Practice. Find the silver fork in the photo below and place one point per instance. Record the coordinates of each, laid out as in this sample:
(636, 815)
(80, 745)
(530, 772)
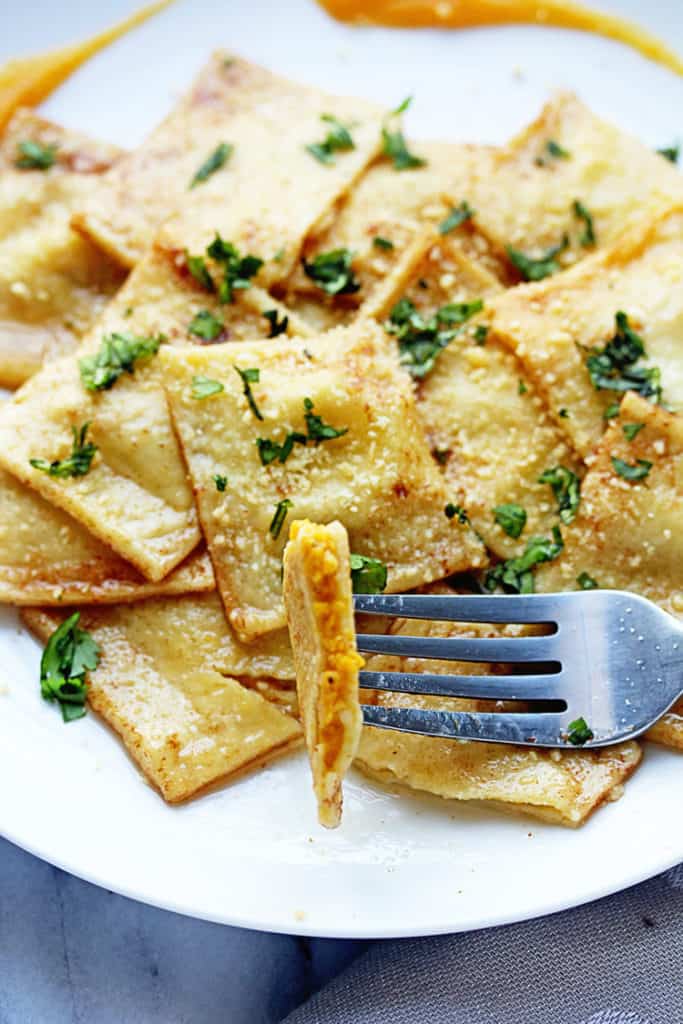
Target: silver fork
(612, 666)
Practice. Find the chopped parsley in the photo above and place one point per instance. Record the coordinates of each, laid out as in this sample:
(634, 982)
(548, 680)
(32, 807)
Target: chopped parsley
(579, 733)
(515, 575)
(117, 354)
(221, 482)
(368, 575)
(317, 431)
(671, 153)
(554, 150)
(77, 464)
(456, 512)
(332, 271)
(206, 326)
(587, 582)
(34, 156)
(237, 270)
(249, 377)
(204, 387)
(535, 269)
(457, 216)
(611, 411)
(69, 654)
(480, 333)
(338, 138)
(521, 387)
(382, 243)
(277, 325)
(213, 163)
(632, 472)
(632, 430)
(394, 145)
(198, 269)
(581, 212)
(613, 368)
(564, 414)
(420, 341)
(566, 487)
(512, 518)
(278, 520)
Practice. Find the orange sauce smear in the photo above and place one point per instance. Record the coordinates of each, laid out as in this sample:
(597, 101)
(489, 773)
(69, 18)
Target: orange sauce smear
(26, 81)
(474, 13)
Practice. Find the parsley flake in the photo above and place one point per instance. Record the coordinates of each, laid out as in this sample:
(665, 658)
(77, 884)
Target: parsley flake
(632, 430)
(456, 512)
(611, 411)
(581, 212)
(515, 575)
(394, 145)
(249, 377)
(206, 326)
(480, 334)
(35, 156)
(536, 268)
(557, 151)
(671, 153)
(118, 354)
(521, 387)
(77, 464)
(512, 518)
(332, 271)
(587, 582)
(420, 341)
(632, 473)
(213, 163)
(237, 270)
(204, 387)
(566, 487)
(337, 139)
(317, 431)
(198, 269)
(221, 482)
(564, 414)
(69, 654)
(579, 732)
(368, 575)
(457, 216)
(278, 520)
(277, 325)
(382, 243)
(613, 368)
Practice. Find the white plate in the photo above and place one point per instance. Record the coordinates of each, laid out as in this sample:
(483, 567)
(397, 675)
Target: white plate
(252, 854)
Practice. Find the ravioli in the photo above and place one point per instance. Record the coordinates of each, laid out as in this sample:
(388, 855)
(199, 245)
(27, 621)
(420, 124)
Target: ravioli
(380, 221)
(628, 534)
(319, 605)
(552, 325)
(135, 498)
(53, 282)
(185, 725)
(48, 558)
(526, 199)
(555, 786)
(483, 418)
(376, 476)
(271, 191)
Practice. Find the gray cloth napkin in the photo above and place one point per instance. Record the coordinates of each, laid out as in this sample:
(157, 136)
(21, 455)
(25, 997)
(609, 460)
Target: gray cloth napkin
(615, 961)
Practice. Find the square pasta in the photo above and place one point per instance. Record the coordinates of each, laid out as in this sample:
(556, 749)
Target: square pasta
(528, 198)
(48, 558)
(555, 786)
(555, 326)
(135, 497)
(268, 190)
(485, 423)
(53, 282)
(379, 221)
(331, 430)
(185, 725)
(319, 604)
(628, 534)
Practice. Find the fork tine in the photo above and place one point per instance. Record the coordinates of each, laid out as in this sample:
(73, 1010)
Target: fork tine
(464, 607)
(540, 687)
(526, 729)
(461, 648)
